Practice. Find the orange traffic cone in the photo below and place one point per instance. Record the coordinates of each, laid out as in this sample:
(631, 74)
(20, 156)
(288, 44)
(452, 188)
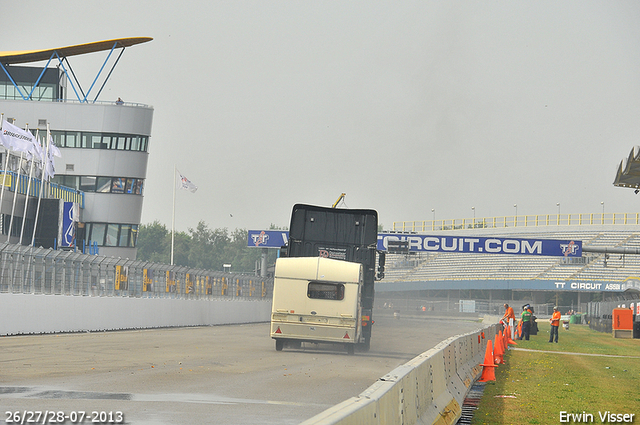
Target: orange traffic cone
(488, 374)
(503, 340)
(498, 351)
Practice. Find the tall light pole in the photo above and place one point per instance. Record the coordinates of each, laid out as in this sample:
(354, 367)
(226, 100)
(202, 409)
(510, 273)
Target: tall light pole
(433, 210)
(558, 205)
(474, 213)
(602, 203)
(516, 207)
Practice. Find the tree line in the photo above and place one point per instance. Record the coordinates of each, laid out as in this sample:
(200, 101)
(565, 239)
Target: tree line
(201, 247)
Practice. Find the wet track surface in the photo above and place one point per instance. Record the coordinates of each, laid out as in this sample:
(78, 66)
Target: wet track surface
(221, 374)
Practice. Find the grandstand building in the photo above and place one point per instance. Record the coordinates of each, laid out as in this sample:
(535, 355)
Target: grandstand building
(103, 144)
(609, 268)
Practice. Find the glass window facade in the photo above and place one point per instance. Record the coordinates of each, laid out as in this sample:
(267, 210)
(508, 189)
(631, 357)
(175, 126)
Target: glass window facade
(87, 140)
(112, 234)
(51, 83)
(44, 92)
(98, 184)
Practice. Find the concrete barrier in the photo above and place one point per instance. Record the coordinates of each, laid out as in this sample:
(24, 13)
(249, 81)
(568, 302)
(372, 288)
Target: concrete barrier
(33, 314)
(429, 389)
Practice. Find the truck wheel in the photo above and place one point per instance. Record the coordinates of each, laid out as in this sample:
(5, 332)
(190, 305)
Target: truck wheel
(279, 344)
(350, 349)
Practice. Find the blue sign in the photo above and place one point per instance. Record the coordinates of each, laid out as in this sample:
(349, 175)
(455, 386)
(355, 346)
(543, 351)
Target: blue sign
(267, 238)
(487, 245)
(68, 225)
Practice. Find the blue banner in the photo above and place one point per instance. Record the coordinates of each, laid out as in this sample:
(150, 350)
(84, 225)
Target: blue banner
(267, 238)
(426, 243)
(485, 245)
(68, 225)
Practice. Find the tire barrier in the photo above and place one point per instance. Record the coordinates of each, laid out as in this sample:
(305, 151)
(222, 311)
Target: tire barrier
(429, 389)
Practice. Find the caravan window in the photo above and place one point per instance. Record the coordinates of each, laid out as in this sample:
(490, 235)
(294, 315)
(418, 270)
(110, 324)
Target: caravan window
(325, 291)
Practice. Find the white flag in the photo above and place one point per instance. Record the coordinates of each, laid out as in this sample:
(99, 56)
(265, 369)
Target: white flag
(185, 183)
(37, 149)
(17, 139)
(53, 149)
(49, 167)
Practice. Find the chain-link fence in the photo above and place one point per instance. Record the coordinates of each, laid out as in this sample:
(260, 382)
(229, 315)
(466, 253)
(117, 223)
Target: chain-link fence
(28, 270)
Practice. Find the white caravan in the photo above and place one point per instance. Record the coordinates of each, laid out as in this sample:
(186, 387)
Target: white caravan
(316, 299)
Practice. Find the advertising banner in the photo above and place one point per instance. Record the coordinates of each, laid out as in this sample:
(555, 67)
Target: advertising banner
(70, 214)
(122, 278)
(427, 243)
(487, 245)
(267, 238)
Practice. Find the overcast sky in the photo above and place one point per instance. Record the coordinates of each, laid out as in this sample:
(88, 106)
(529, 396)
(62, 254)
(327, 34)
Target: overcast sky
(406, 106)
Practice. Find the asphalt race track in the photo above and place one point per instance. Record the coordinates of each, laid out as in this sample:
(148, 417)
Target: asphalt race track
(218, 374)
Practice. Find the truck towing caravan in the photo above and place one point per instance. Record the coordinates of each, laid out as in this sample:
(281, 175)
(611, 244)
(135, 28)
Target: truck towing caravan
(323, 284)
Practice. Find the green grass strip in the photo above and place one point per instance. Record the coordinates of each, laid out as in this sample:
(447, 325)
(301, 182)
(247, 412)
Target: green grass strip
(541, 383)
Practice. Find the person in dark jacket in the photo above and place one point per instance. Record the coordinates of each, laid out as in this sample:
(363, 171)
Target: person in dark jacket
(525, 318)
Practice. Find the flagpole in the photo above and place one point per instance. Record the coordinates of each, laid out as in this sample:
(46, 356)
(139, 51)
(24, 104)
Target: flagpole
(6, 165)
(44, 173)
(4, 176)
(15, 192)
(15, 196)
(173, 214)
(26, 197)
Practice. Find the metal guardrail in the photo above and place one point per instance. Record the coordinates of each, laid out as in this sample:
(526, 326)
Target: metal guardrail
(29, 270)
(549, 220)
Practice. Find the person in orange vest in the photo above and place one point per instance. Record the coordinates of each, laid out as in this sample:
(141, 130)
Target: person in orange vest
(509, 318)
(555, 324)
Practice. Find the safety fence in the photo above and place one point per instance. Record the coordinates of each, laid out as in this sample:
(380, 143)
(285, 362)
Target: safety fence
(549, 220)
(599, 315)
(409, 303)
(29, 270)
(429, 389)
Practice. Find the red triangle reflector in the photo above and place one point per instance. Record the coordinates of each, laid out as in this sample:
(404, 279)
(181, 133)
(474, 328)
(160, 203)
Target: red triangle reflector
(278, 331)
(346, 335)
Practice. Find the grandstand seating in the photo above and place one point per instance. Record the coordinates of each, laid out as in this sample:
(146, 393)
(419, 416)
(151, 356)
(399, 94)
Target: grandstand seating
(464, 266)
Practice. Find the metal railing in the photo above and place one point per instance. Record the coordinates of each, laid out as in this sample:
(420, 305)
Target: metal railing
(28, 270)
(550, 220)
(101, 102)
(51, 190)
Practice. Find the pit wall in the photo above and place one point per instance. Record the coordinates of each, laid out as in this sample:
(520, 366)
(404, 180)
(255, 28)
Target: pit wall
(35, 314)
(430, 389)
